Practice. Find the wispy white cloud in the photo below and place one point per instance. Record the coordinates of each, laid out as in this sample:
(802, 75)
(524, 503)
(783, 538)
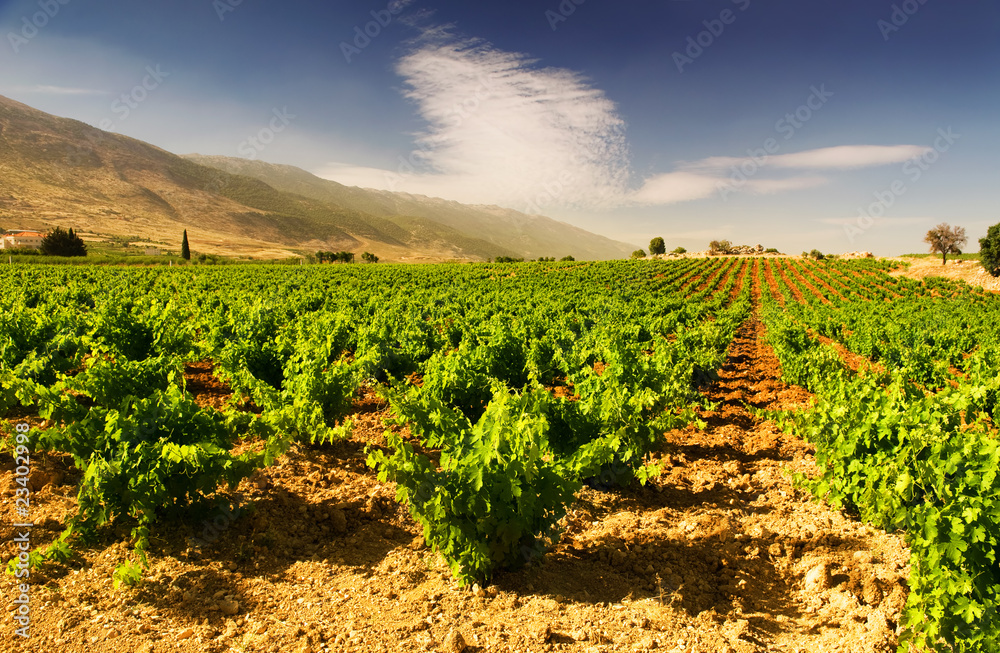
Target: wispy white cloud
(885, 221)
(770, 186)
(673, 187)
(682, 186)
(850, 156)
(352, 175)
(502, 129)
(841, 157)
(58, 90)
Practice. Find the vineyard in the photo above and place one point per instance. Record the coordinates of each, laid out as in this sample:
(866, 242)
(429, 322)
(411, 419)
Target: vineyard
(588, 456)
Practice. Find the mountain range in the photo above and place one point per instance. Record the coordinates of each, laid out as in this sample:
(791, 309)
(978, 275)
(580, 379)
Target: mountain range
(62, 172)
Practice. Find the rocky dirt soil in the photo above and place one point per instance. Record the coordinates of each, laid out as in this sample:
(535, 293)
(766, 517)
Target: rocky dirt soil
(971, 272)
(720, 554)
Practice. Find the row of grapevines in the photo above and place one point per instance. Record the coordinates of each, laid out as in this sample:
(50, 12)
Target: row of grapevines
(927, 335)
(906, 458)
(512, 454)
(101, 353)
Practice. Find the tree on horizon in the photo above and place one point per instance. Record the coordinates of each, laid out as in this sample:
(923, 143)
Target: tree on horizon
(185, 247)
(945, 239)
(989, 251)
(62, 243)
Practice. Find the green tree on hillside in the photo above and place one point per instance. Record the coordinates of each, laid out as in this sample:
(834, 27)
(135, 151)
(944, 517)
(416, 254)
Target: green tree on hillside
(62, 243)
(657, 246)
(989, 251)
(945, 239)
(368, 257)
(717, 247)
(638, 254)
(336, 257)
(185, 247)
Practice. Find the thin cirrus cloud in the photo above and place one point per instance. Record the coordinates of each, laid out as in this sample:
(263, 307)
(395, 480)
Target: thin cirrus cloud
(674, 187)
(703, 178)
(500, 129)
(769, 186)
(843, 157)
(684, 186)
(57, 90)
(884, 221)
(503, 130)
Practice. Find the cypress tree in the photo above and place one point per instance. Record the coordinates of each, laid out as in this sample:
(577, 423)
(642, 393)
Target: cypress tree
(62, 243)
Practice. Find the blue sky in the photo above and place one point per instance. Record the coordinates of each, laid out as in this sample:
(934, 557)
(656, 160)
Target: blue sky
(842, 126)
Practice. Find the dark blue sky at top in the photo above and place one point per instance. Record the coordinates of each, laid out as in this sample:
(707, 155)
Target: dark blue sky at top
(765, 59)
(941, 68)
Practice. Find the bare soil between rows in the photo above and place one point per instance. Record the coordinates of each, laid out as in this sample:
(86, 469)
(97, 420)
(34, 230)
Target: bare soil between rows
(720, 554)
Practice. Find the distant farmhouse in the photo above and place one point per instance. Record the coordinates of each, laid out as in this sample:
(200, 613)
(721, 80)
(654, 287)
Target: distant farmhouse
(21, 238)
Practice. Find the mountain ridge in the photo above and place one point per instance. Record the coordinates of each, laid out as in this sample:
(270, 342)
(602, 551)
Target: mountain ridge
(504, 227)
(62, 172)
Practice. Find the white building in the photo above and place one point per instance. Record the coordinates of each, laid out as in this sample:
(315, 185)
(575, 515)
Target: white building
(11, 239)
